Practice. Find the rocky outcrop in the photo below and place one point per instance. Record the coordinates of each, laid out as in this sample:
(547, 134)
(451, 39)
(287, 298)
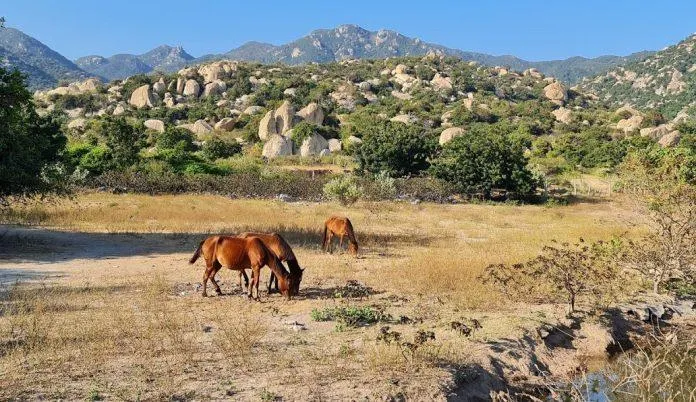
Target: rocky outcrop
(159, 86)
(656, 132)
(313, 145)
(671, 139)
(180, 83)
(199, 127)
(441, 83)
(449, 134)
(89, 85)
(630, 124)
(78, 124)
(142, 97)
(556, 93)
(404, 118)
(214, 88)
(252, 110)
(154, 124)
(312, 113)
(119, 110)
(226, 124)
(276, 146)
(563, 115)
(284, 116)
(192, 88)
(335, 145)
(267, 126)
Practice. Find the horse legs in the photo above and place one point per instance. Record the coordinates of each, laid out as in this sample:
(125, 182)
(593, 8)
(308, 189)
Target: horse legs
(206, 275)
(242, 273)
(255, 274)
(272, 279)
(216, 268)
(340, 243)
(329, 242)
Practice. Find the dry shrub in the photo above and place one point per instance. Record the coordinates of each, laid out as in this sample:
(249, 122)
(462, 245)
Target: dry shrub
(237, 334)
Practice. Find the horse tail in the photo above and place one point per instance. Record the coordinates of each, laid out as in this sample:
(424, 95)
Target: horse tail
(326, 233)
(197, 253)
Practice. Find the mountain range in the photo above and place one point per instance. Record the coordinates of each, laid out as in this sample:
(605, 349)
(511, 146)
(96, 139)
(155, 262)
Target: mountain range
(46, 67)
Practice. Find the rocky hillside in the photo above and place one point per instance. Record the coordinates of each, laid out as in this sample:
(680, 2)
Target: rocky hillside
(163, 58)
(665, 81)
(43, 66)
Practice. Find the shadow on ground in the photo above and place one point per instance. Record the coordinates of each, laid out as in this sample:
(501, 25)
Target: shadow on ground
(18, 243)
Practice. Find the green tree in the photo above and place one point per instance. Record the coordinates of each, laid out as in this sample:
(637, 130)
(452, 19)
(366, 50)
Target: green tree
(122, 140)
(396, 149)
(30, 145)
(484, 159)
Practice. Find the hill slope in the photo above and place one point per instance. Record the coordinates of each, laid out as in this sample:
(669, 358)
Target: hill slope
(666, 81)
(44, 66)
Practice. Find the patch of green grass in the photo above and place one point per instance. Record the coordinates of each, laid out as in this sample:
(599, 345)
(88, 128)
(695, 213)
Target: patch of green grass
(349, 317)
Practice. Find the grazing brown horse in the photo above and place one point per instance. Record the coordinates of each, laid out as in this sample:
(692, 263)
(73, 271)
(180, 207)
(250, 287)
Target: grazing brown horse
(277, 244)
(339, 226)
(239, 254)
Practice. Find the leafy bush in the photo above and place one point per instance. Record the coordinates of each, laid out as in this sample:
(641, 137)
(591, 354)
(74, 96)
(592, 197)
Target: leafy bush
(175, 137)
(343, 189)
(485, 159)
(353, 316)
(380, 187)
(217, 148)
(396, 149)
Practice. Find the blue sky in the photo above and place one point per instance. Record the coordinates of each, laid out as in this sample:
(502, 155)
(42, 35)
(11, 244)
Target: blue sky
(533, 30)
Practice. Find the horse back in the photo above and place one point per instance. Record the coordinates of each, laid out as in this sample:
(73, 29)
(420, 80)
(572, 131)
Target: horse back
(275, 243)
(236, 253)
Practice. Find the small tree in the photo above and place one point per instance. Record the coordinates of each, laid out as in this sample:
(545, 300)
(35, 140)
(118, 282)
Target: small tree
(30, 145)
(483, 159)
(663, 182)
(395, 148)
(343, 189)
(561, 271)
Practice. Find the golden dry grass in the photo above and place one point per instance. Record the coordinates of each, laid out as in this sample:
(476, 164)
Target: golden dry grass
(132, 325)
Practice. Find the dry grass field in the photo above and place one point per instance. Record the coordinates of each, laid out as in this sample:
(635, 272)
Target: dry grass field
(109, 308)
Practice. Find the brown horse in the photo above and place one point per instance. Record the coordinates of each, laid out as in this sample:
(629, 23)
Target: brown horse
(277, 244)
(339, 226)
(239, 254)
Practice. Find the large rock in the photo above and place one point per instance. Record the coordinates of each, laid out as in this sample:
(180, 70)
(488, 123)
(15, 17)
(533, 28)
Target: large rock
(656, 132)
(440, 82)
(556, 92)
(533, 72)
(169, 100)
(276, 146)
(404, 118)
(180, 83)
(226, 124)
(449, 134)
(159, 86)
(353, 140)
(142, 97)
(335, 145)
(252, 110)
(631, 124)
(313, 145)
(78, 124)
(89, 85)
(154, 124)
(284, 117)
(400, 69)
(267, 126)
(213, 71)
(671, 139)
(563, 115)
(199, 127)
(119, 110)
(312, 113)
(214, 88)
(192, 88)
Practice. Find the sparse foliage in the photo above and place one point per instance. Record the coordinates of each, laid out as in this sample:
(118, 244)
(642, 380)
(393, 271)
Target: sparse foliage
(562, 271)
